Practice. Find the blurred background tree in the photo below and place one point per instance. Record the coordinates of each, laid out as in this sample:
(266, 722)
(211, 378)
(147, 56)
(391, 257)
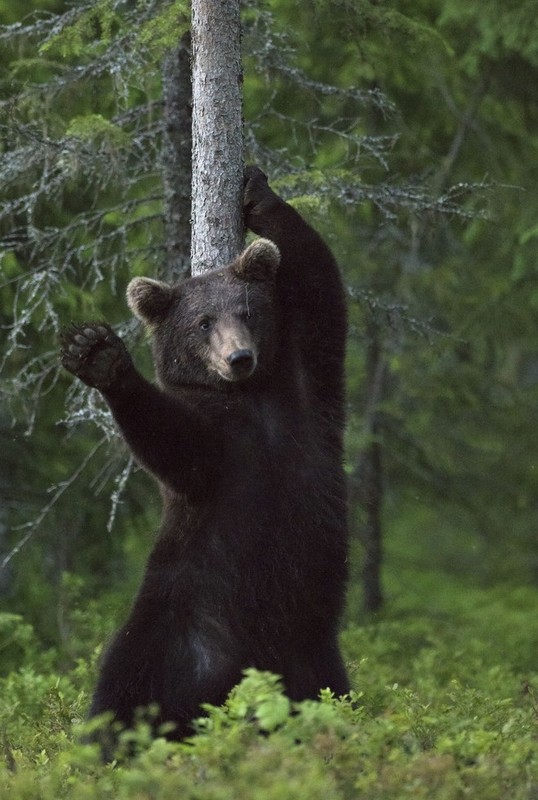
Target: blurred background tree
(407, 133)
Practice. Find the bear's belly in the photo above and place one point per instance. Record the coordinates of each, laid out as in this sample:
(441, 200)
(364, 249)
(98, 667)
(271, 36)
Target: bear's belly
(266, 547)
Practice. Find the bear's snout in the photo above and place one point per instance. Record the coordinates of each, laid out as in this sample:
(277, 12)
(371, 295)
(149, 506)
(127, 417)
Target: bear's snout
(241, 360)
(232, 351)
(242, 363)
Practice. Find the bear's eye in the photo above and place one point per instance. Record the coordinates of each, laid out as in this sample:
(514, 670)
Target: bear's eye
(204, 324)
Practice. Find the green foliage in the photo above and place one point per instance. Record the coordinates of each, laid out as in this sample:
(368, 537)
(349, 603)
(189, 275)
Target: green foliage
(494, 31)
(94, 127)
(98, 22)
(16, 641)
(92, 29)
(445, 705)
(163, 31)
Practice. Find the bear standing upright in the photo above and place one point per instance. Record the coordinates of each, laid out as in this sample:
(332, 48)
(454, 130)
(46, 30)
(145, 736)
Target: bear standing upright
(245, 436)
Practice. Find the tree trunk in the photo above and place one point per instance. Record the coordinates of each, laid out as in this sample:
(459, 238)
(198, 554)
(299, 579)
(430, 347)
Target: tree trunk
(371, 532)
(367, 483)
(217, 155)
(176, 160)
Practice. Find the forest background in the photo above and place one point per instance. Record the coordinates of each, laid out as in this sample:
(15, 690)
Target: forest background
(407, 133)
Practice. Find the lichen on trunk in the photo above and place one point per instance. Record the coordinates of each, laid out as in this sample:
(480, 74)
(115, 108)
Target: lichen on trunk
(217, 167)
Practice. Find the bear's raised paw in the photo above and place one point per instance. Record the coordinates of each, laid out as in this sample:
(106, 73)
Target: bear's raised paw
(258, 197)
(94, 353)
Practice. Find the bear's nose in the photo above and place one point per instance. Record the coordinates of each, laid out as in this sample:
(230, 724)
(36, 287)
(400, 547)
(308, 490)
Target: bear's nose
(241, 359)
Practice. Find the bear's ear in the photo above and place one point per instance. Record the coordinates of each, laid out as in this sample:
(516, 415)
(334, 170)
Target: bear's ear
(149, 300)
(259, 262)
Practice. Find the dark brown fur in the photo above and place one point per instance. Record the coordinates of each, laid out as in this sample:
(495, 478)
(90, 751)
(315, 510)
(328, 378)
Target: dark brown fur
(249, 566)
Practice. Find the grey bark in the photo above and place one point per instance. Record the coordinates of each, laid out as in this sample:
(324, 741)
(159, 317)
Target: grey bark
(176, 160)
(217, 154)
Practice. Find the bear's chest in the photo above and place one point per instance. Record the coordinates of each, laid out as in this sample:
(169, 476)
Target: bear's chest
(273, 426)
(271, 449)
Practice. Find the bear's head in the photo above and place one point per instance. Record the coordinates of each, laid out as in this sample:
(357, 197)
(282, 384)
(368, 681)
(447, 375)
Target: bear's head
(217, 328)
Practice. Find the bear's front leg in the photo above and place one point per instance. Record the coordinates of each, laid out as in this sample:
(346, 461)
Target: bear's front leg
(94, 353)
(163, 432)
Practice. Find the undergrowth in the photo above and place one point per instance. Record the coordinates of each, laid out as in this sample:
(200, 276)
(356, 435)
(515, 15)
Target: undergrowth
(445, 706)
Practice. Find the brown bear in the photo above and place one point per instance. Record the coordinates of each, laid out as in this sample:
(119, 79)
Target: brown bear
(244, 433)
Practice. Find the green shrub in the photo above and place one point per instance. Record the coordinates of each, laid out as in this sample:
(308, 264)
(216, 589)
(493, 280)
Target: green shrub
(445, 705)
